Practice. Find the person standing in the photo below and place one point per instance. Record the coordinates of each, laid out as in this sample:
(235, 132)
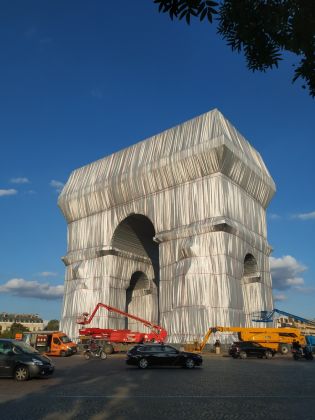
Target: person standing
(217, 346)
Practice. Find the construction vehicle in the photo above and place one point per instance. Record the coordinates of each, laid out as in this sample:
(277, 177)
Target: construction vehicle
(114, 338)
(278, 339)
(52, 343)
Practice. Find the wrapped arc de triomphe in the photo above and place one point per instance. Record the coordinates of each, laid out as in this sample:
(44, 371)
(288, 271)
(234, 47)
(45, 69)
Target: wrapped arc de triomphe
(172, 229)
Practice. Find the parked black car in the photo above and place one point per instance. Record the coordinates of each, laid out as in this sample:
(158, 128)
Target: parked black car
(144, 355)
(244, 349)
(21, 361)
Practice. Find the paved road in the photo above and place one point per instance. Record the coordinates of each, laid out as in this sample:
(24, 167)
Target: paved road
(223, 388)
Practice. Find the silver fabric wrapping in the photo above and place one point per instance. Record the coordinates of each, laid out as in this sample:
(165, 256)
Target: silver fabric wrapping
(205, 190)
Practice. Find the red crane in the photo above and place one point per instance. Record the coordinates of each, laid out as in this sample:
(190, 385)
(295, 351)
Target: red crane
(157, 333)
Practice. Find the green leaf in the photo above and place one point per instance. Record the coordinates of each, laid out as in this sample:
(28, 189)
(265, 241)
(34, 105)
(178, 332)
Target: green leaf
(182, 14)
(209, 15)
(203, 14)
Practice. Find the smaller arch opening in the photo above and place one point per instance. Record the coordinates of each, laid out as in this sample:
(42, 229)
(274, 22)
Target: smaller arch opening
(251, 273)
(139, 286)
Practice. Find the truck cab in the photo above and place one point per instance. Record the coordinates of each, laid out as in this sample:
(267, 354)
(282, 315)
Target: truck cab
(52, 343)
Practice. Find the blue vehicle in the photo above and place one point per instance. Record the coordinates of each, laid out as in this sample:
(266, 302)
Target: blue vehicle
(310, 340)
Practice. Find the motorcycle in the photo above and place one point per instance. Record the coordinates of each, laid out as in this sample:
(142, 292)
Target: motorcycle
(302, 354)
(94, 353)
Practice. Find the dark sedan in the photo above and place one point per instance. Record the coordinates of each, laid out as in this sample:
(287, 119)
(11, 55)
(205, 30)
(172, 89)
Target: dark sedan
(244, 349)
(145, 355)
(21, 361)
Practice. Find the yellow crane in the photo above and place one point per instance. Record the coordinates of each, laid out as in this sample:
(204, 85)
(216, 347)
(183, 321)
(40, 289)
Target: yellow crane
(278, 339)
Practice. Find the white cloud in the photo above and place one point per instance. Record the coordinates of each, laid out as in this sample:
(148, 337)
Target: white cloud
(57, 185)
(280, 297)
(286, 272)
(48, 274)
(295, 281)
(274, 216)
(8, 192)
(305, 290)
(305, 216)
(32, 289)
(21, 180)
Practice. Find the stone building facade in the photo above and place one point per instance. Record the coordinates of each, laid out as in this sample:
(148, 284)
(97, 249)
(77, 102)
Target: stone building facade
(32, 321)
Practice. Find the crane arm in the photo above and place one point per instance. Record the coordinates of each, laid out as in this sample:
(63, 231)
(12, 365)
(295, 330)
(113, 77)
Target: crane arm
(298, 318)
(86, 319)
(268, 316)
(228, 329)
(214, 330)
(205, 339)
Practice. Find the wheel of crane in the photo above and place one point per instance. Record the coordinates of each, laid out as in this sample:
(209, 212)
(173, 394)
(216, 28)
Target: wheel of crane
(284, 349)
(108, 349)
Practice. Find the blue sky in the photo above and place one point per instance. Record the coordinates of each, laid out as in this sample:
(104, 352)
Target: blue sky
(80, 80)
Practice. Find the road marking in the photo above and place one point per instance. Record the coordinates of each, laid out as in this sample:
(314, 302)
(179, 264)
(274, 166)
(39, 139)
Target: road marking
(213, 397)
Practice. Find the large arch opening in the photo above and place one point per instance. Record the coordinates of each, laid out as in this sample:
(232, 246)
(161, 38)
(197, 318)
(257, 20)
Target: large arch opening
(133, 240)
(135, 235)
